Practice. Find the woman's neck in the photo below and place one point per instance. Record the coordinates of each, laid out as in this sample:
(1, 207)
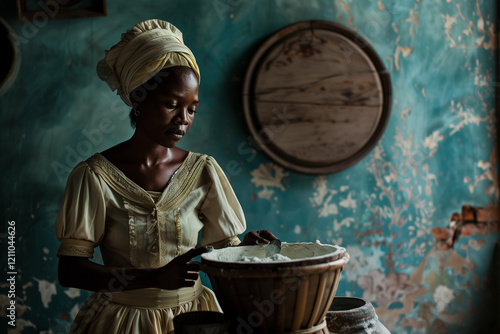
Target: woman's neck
(144, 151)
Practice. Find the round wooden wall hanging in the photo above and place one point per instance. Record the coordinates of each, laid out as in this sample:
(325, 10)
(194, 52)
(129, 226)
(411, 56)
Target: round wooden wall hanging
(9, 67)
(316, 97)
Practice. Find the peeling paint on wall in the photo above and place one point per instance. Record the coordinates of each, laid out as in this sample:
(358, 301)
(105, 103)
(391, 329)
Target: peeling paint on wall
(47, 290)
(268, 176)
(72, 292)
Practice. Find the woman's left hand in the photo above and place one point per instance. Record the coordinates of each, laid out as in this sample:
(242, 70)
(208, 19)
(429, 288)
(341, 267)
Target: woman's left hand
(257, 238)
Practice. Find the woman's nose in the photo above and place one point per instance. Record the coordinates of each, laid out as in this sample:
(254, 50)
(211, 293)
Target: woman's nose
(182, 116)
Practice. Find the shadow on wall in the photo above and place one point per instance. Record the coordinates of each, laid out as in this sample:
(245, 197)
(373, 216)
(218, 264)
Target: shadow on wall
(489, 321)
(495, 293)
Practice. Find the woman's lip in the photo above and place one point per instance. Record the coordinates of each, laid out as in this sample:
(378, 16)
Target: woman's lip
(176, 134)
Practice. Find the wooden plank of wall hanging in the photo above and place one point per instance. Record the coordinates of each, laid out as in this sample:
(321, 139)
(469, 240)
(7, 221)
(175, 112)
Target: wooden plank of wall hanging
(316, 97)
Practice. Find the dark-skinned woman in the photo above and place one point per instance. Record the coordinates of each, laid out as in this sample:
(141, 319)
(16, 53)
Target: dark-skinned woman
(144, 201)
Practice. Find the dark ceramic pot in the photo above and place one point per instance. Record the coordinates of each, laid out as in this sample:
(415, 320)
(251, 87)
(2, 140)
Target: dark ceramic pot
(349, 315)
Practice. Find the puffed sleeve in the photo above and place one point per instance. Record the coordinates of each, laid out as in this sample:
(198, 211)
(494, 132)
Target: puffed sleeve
(223, 217)
(81, 219)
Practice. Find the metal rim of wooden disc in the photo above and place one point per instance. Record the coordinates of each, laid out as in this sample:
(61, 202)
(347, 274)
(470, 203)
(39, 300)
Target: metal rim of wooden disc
(263, 138)
(11, 46)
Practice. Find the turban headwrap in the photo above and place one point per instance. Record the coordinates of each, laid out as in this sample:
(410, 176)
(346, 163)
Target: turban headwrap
(142, 52)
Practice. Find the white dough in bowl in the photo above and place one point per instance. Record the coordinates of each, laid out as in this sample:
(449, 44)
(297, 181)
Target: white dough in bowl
(273, 258)
(289, 252)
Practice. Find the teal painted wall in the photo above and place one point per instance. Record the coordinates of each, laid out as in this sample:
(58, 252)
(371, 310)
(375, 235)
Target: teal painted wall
(436, 154)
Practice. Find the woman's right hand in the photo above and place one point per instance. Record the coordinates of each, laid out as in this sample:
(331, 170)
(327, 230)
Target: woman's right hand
(181, 272)
(257, 237)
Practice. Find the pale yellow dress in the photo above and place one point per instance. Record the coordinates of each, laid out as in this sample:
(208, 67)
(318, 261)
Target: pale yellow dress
(141, 229)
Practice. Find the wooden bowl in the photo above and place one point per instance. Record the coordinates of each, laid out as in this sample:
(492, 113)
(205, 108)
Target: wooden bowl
(279, 297)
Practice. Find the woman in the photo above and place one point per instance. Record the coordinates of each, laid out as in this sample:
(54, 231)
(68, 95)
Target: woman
(144, 201)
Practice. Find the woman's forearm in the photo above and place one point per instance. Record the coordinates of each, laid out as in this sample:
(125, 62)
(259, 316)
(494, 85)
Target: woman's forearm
(79, 272)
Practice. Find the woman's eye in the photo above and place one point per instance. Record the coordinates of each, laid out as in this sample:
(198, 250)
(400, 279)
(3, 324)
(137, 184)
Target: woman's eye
(171, 105)
(192, 111)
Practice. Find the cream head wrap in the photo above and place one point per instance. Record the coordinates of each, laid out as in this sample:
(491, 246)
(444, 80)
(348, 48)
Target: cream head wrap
(142, 52)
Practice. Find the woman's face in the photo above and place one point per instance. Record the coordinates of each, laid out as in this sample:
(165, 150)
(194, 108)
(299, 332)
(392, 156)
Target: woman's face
(166, 114)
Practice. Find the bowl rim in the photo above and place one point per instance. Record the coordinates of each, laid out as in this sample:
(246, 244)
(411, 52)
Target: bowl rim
(339, 254)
